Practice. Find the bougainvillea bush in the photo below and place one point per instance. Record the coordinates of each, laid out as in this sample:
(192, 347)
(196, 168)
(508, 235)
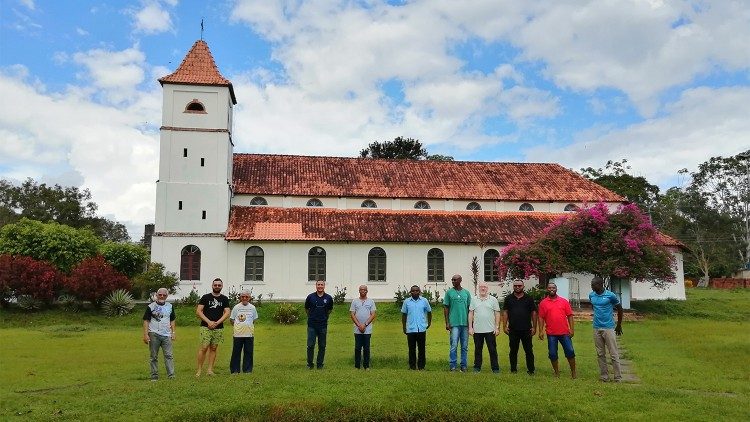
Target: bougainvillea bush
(93, 279)
(23, 275)
(621, 244)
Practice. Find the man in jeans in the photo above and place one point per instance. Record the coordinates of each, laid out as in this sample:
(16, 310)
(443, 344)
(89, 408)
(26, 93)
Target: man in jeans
(158, 332)
(484, 325)
(456, 312)
(519, 323)
(362, 312)
(605, 330)
(555, 312)
(318, 306)
(416, 318)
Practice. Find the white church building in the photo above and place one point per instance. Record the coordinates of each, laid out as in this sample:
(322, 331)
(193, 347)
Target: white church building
(277, 223)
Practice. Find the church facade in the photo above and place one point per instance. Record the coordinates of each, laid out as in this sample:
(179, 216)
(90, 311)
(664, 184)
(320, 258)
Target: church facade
(277, 223)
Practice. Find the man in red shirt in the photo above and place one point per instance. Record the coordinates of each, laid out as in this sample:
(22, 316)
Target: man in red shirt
(556, 314)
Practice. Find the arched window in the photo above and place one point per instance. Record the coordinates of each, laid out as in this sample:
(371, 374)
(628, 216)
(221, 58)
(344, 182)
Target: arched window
(571, 208)
(316, 264)
(195, 106)
(315, 202)
(490, 271)
(421, 205)
(526, 207)
(254, 264)
(376, 264)
(435, 266)
(190, 263)
(369, 203)
(258, 200)
(473, 206)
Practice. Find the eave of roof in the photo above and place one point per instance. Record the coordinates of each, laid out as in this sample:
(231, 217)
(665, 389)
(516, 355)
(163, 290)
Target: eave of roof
(267, 174)
(199, 68)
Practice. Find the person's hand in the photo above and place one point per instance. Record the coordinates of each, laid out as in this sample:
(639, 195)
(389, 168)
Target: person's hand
(212, 325)
(506, 330)
(496, 332)
(571, 333)
(146, 339)
(618, 330)
(448, 326)
(471, 331)
(533, 331)
(173, 336)
(362, 327)
(541, 335)
(404, 330)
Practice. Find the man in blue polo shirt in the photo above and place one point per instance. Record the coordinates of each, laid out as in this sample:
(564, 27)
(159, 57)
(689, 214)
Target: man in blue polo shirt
(605, 330)
(318, 306)
(416, 318)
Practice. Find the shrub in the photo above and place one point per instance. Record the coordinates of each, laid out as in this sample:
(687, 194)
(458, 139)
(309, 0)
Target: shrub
(340, 296)
(93, 279)
(154, 278)
(432, 298)
(58, 244)
(191, 299)
(69, 303)
(23, 275)
(128, 258)
(286, 313)
(400, 295)
(118, 303)
(28, 303)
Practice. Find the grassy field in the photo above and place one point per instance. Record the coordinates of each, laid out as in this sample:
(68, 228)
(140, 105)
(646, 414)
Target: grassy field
(692, 360)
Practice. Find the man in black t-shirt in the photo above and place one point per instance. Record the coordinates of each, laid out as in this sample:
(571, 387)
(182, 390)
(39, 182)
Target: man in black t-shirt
(318, 306)
(519, 323)
(212, 310)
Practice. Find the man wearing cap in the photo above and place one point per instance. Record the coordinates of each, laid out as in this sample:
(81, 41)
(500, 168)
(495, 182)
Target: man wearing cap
(604, 302)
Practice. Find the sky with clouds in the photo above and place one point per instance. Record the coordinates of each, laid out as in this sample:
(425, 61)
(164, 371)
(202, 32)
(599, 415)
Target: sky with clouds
(663, 84)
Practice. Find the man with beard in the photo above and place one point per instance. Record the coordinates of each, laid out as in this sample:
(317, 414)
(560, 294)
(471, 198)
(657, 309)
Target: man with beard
(158, 332)
(519, 323)
(212, 310)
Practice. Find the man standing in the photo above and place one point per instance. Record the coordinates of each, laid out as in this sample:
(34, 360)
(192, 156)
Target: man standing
(243, 318)
(484, 324)
(605, 330)
(456, 312)
(212, 310)
(318, 306)
(158, 331)
(416, 318)
(519, 323)
(556, 314)
(363, 313)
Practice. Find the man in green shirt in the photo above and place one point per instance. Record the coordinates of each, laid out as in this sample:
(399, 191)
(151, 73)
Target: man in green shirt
(456, 312)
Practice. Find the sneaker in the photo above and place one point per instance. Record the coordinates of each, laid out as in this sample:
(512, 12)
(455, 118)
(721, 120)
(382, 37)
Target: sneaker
(453, 369)
(463, 369)
(477, 369)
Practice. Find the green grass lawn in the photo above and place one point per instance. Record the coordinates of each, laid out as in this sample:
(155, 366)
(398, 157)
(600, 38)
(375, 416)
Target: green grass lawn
(692, 360)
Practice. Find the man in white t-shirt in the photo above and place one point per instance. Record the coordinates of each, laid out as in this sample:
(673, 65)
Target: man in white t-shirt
(243, 318)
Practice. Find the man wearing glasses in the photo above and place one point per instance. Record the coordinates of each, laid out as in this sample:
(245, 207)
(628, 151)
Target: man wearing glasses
(456, 312)
(212, 310)
(519, 323)
(158, 332)
(243, 318)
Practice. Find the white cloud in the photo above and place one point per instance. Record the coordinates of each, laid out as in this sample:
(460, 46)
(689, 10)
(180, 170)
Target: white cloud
(29, 4)
(702, 123)
(82, 32)
(116, 73)
(152, 18)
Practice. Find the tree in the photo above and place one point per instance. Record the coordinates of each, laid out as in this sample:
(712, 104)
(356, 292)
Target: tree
(128, 258)
(93, 279)
(60, 245)
(154, 278)
(621, 244)
(724, 182)
(401, 148)
(22, 275)
(615, 177)
(65, 205)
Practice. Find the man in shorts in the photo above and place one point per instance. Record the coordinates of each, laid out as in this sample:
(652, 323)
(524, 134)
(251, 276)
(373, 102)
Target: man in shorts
(212, 310)
(556, 314)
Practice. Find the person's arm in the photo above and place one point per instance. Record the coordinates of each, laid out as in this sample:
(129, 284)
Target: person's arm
(429, 319)
(201, 315)
(307, 305)
(403, 321)
(172, 327)
(445, 314)
(329, 307)
(570, 324)
(224, 316)
(506, 330)
(360, 327)
(618, 327)
(146, 339)
(541, 328)
(497, 322)
(471, 322)
(534, 320)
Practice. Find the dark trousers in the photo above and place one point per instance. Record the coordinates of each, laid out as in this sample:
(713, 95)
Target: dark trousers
(524, 337)
(362, 350)
(416, 341)
(314, 333)
(238, 344)
(479, 339)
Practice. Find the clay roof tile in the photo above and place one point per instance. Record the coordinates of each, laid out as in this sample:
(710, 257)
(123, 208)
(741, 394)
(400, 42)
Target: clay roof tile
(199, 68)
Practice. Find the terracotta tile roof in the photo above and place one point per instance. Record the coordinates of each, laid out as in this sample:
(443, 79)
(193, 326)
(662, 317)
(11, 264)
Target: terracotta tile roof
(259, 174)
(380, 225)
(199, 68)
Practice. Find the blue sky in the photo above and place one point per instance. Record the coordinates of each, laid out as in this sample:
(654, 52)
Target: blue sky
(664, 84)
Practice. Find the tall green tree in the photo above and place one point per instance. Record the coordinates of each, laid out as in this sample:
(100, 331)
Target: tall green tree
(615, 177)
(401, 148)
(129, 259)
(65, 205)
